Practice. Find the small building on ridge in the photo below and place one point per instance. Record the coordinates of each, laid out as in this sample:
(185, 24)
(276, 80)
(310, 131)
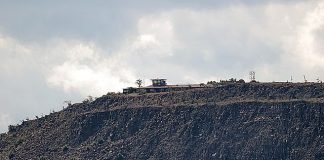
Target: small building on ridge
(160, 85)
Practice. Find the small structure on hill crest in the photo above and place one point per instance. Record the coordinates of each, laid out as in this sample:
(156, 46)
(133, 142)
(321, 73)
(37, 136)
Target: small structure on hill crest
(159, 82)
(160, 85)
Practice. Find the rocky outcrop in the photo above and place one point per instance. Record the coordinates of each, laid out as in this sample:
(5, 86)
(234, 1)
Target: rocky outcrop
(234, 121)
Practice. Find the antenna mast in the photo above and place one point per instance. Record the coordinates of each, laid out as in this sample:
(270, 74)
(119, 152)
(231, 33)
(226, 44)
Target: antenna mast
(252, 76)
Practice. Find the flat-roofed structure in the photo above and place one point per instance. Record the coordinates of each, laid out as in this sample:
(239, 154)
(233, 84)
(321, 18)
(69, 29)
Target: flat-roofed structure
(160, 85)
(158, 82)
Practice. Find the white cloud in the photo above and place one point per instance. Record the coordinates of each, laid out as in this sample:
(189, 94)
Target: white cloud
(88, 72)
(275, 39)
(154, 36)
(14, 55)
(307, 43)
(75, 66)
(182, 44)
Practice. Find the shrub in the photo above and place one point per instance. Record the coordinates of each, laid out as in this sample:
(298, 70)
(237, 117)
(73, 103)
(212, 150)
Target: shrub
(65, 148)
(11, 128)
(120, 157)
(18, 142)
(11, 155)
(100, 141)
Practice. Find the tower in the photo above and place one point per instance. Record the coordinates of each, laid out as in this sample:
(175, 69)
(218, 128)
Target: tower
(252, 76)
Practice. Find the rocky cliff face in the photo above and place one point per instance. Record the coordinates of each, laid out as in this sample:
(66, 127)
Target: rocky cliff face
(234, 121)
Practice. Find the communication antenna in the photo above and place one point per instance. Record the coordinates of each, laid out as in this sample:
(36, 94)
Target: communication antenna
(252, 76)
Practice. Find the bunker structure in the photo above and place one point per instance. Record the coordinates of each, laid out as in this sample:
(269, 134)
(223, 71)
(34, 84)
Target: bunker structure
(160, 85)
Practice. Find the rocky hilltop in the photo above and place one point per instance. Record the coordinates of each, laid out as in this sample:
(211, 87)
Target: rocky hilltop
(230, 121)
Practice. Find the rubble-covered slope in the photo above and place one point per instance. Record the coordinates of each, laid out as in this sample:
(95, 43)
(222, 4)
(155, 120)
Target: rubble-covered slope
(233, 121)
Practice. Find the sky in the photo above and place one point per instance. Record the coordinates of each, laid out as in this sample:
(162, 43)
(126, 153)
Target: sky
(53, 51)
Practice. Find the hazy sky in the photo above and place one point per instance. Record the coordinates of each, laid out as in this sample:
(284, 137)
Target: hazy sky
(52, 51)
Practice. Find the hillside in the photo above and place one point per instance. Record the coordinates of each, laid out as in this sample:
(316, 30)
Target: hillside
(232, 121)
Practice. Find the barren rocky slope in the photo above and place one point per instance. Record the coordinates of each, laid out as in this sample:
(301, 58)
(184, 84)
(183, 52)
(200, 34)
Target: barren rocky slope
(232, 121)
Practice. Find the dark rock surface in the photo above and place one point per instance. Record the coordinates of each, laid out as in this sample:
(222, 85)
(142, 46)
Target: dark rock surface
(233, 121)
